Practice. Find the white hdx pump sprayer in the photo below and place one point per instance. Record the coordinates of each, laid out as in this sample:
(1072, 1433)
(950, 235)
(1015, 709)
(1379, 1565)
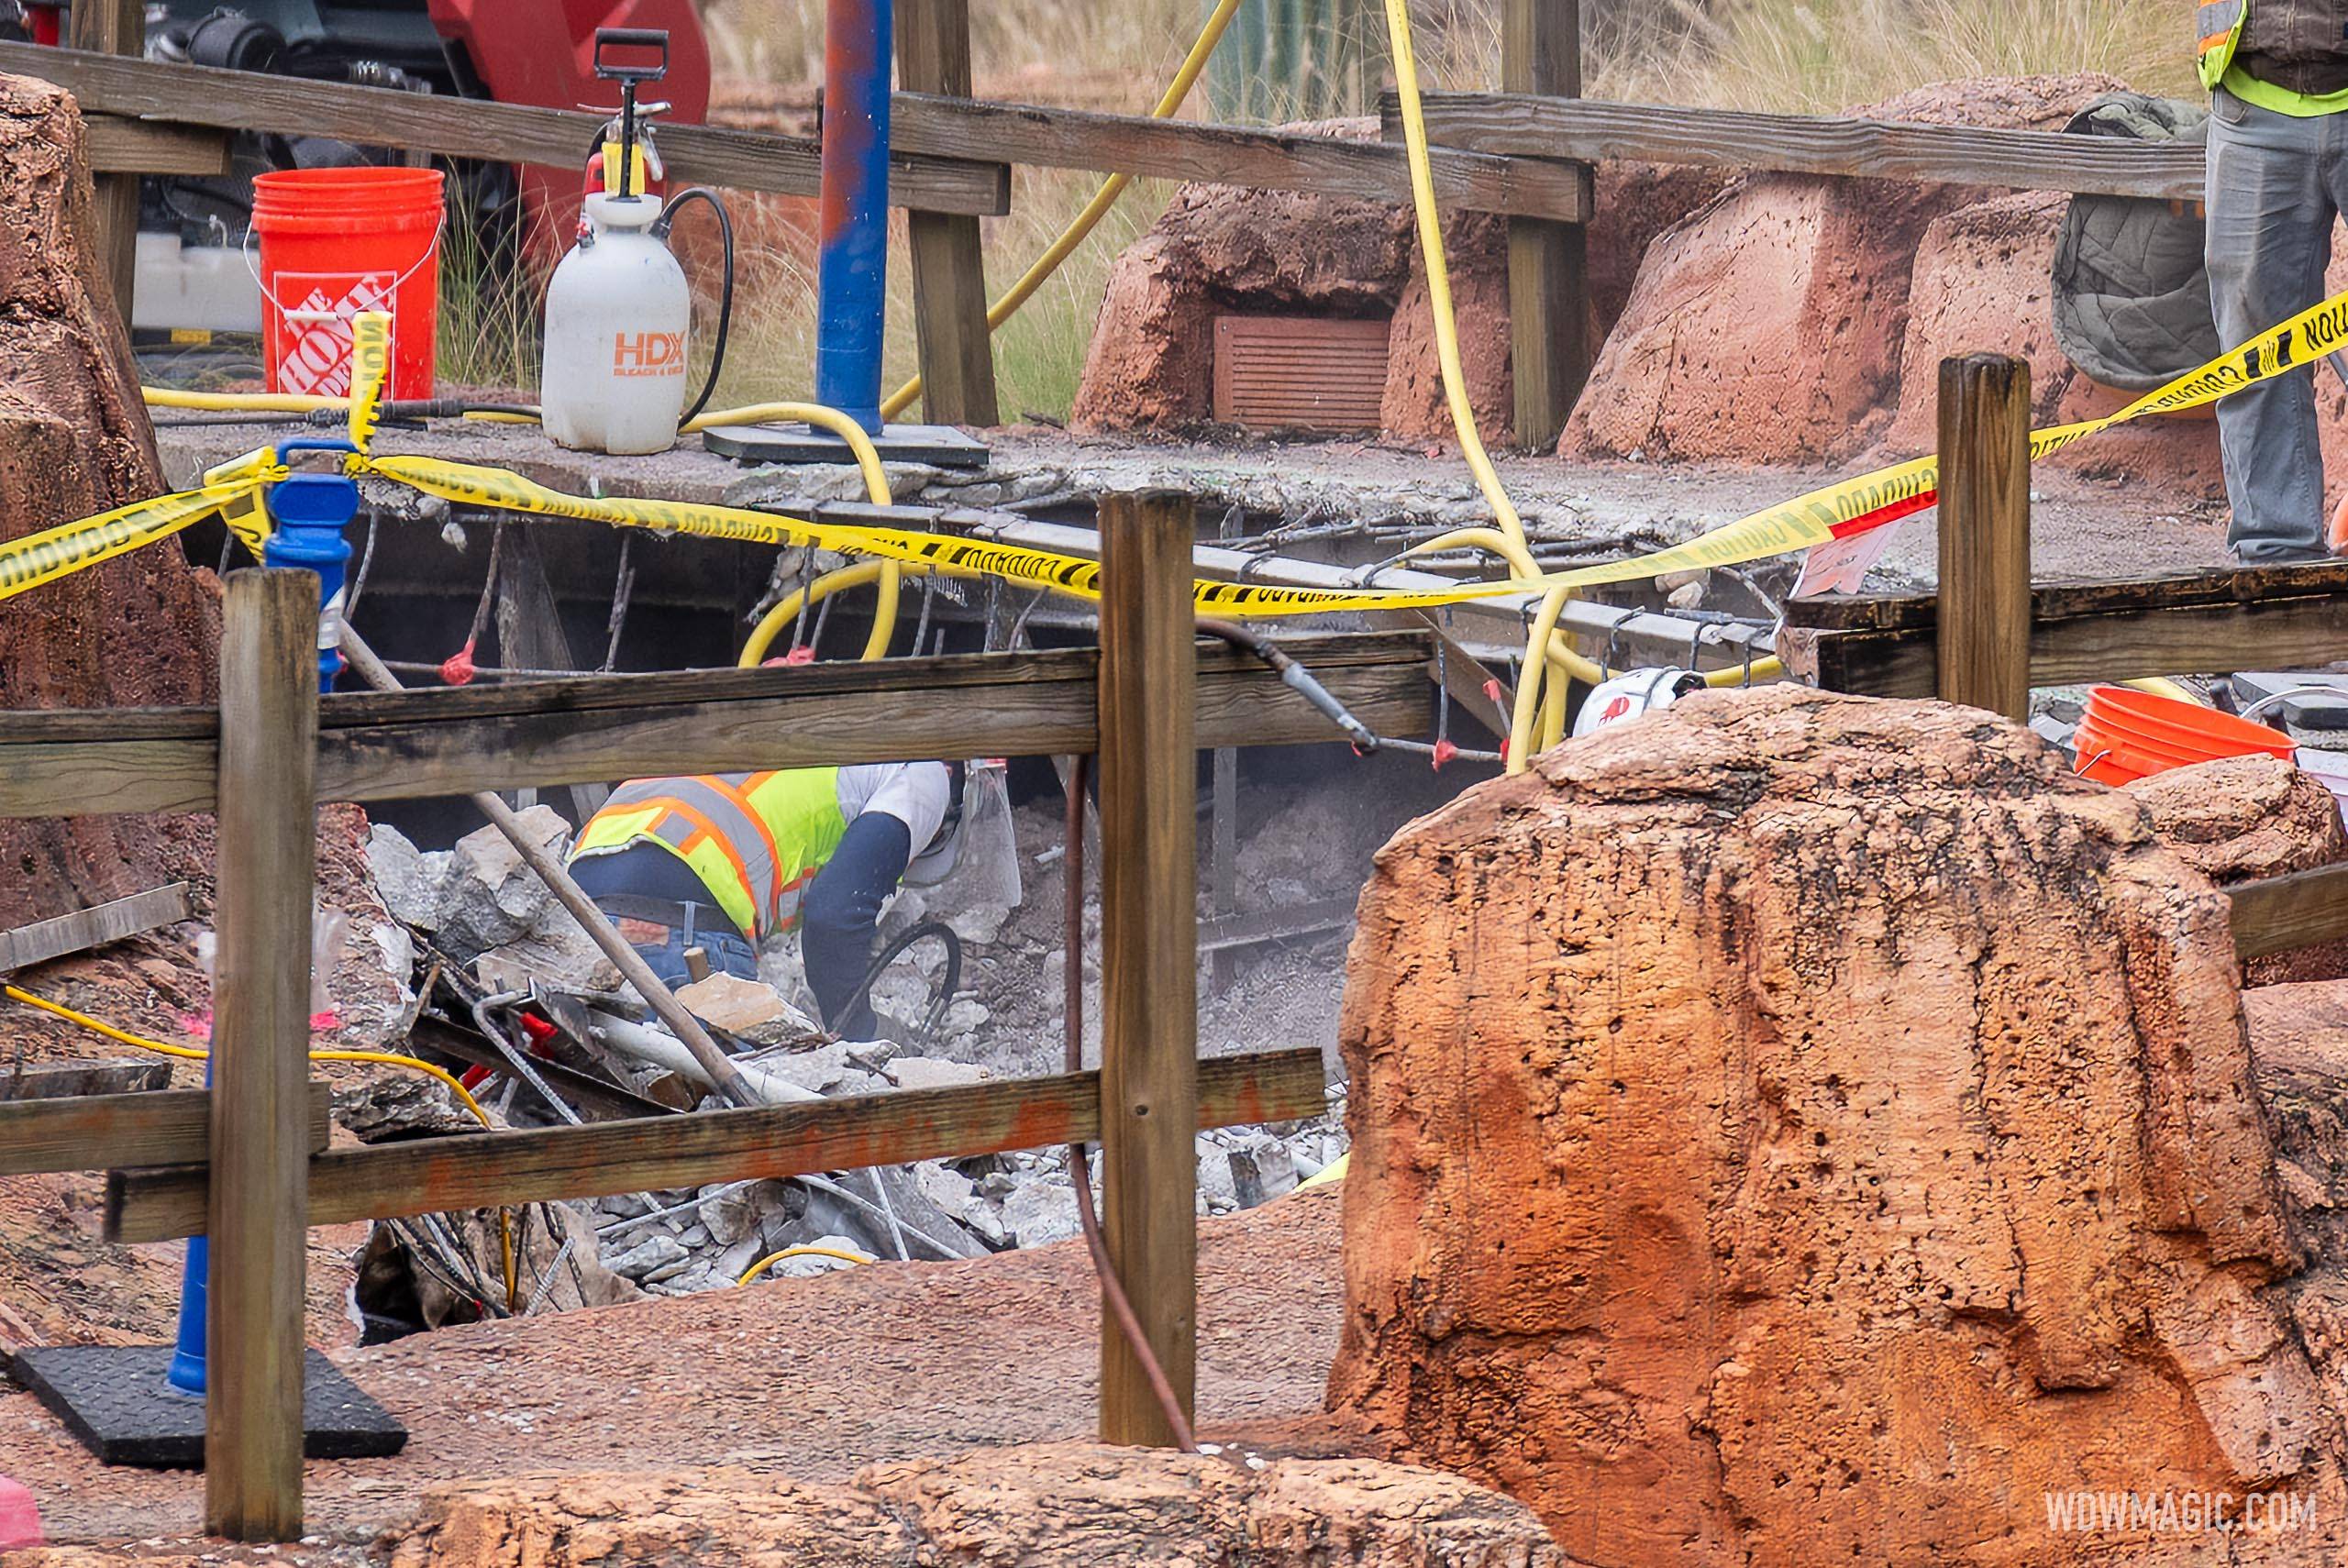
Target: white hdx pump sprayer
(618, 313)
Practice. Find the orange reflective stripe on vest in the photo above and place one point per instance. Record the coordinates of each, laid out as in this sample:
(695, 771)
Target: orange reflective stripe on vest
(754, 840)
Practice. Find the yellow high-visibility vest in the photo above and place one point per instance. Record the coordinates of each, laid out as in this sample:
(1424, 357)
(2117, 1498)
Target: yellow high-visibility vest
(755, 840)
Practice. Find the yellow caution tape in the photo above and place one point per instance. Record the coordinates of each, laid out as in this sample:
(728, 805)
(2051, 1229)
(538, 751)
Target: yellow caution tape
(370, 368)
(58, 552)
(1835, 511)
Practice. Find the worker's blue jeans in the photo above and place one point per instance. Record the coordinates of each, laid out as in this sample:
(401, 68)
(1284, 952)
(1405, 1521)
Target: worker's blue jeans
(2277, 185)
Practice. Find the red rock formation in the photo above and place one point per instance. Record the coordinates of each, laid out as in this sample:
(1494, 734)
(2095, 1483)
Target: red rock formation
(1800, 1129)
(1770, 328)
(1221, 250)
(2247, 817)
(74, 440)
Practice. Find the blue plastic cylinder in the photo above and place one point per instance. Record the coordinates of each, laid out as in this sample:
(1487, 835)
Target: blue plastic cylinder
(309, 513)
(852, 233)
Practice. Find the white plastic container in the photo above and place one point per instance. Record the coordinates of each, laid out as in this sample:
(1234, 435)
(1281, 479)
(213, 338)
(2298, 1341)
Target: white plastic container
(617, 314)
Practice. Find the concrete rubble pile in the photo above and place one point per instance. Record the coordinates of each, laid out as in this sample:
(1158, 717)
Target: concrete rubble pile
(1865, 1153)
(477, 911)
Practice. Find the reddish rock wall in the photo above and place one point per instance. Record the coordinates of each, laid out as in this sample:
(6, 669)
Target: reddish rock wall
(1800, 1128)
(1774, 326)
(1219, 249)
(74, 441)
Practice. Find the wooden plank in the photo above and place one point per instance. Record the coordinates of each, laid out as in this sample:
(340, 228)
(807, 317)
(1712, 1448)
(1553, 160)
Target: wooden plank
(77, 1079)
(1226, 932)
(115, 145)
(596, 729)
(2278, 914)
(114, 1131)
(2212, 586)
(2267, 628)
(953, 343)
(81, 930)
(431, 1174)
(1044, 137)
(1813, 144)
(1148, 956)
(1983, 651)
(268, 846)
(474, 128)
(1548, 262)
(113, 27)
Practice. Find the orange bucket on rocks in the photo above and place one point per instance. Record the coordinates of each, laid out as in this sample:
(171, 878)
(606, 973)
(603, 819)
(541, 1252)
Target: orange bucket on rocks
(335, 242)
(2128, 735)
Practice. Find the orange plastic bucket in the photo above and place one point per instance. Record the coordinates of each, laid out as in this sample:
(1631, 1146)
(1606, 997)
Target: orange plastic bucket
(335, 242)
(2128, 735)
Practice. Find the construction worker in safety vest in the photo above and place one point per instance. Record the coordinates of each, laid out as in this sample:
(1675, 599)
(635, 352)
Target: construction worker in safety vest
(2278, 74)
(728, 862)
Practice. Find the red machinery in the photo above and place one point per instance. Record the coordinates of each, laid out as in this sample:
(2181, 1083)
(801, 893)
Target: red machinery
(514, 52)
(543, 51)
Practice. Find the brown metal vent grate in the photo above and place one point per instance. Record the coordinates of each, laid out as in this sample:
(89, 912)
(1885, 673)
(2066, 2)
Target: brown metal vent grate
(1298, 372)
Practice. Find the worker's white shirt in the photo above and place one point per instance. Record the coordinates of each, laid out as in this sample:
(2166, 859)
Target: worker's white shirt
(915, 793)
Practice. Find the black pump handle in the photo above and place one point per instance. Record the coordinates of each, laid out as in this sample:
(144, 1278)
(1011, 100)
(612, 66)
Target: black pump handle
(631, 38)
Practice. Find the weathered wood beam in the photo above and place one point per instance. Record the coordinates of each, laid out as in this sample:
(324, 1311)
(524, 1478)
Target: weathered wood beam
(1226, 155)
(1811, 144)
(2276, 914)
(80, 1078)
(119, 146)
(2199, 622)
(110, 1131)
(427, 1176)
(80, 930)
(600, 728)
(474, 128)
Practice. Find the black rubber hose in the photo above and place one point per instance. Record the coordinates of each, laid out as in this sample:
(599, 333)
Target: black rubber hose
(952, 981)
(725, 296)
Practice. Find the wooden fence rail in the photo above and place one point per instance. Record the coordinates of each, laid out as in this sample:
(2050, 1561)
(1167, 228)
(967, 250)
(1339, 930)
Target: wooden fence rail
(1590, 128)
(519, 733)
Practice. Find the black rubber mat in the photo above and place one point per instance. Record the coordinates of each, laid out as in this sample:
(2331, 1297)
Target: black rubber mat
(114, 1399)
(939, 446)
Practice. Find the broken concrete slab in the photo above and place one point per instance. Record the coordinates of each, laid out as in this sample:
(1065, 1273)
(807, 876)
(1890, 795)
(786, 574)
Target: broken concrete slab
(931, 1072)
(751, 1010)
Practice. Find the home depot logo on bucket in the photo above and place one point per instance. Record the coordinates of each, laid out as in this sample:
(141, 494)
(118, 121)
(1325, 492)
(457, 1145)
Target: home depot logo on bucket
(648, 354)
(313, 344)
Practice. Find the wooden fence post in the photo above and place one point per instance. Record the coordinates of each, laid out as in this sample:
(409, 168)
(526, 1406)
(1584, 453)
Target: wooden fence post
(115, 27)
(1985, 605)
(1148, 952)
(1548, 264)
(950, 337)
(259, 1203)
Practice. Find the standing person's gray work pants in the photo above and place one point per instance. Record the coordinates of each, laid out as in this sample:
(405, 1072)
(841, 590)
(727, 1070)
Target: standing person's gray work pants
(2277, 186)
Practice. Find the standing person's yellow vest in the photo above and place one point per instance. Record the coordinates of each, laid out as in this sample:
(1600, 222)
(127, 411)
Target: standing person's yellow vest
(2219, 26)
(755, 840)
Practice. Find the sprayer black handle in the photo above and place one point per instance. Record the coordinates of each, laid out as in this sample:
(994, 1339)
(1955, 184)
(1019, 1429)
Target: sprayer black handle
(632, 38)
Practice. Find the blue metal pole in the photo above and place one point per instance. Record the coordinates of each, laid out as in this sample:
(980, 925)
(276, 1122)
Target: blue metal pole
(852, 255)
(310, 512)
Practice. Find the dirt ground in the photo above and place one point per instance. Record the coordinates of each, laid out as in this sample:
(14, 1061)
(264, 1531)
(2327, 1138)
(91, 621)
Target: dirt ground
(811, 1378)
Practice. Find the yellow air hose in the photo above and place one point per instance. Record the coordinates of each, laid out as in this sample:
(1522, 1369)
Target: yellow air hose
(767, 1261)
(386, 1058)
(1535, 714)
(1170, 103)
